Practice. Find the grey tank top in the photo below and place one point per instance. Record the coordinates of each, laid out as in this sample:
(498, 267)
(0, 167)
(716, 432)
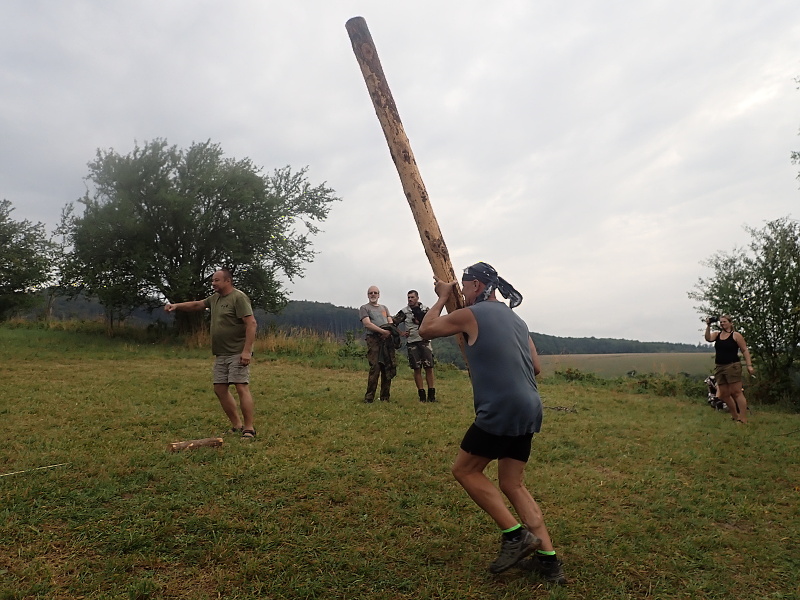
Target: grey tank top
(504, 387)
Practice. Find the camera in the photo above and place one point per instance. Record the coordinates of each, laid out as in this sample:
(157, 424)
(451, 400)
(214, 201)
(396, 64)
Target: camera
(710, 320)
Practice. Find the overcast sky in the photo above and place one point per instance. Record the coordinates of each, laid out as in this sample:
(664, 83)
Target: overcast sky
(594, 152)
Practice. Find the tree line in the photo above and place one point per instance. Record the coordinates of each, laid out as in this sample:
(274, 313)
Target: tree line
(342, 322)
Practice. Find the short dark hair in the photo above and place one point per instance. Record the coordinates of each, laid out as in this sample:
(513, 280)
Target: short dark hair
(412, 292)
(226, 272)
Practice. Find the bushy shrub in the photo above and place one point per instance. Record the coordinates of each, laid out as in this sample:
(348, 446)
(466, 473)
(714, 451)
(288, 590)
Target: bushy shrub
(638, 383)
(576, 375)
(351, 348)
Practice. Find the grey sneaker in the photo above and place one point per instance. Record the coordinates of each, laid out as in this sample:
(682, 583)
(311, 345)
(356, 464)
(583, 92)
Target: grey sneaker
(551, 571)
(513, 552)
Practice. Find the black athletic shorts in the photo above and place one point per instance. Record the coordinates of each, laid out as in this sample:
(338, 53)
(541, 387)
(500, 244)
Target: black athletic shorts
(480, 443)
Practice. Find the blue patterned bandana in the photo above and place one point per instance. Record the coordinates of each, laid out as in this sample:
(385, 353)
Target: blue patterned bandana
(486, 274)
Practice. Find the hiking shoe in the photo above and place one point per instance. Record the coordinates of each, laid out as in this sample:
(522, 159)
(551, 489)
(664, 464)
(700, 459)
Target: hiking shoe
(511, 552)
(552, 571)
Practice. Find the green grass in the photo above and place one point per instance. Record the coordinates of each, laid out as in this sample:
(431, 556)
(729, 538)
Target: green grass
(645, 496)
(616, 365)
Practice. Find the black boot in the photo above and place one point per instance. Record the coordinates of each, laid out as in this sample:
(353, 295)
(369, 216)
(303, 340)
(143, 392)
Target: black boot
(431, 394)
(421, 395)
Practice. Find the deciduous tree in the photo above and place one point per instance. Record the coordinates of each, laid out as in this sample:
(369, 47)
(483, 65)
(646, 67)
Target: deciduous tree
(157, 222)
(25, 261)
(759, 287)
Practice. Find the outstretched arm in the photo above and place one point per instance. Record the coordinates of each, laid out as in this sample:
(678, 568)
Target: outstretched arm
(193, 306)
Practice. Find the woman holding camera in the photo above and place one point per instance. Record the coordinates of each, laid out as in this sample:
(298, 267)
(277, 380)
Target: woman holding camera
(728, 371)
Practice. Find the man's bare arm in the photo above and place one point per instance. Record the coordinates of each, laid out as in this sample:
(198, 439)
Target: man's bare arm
(537, 365)
(251, 326)
(193, 306)
(435, 325)
(374, 328)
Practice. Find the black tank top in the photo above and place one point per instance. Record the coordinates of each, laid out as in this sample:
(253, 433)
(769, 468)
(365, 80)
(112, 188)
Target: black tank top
(727, 350)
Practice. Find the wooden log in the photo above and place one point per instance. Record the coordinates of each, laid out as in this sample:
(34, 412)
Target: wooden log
(191, 444)
(403, 157)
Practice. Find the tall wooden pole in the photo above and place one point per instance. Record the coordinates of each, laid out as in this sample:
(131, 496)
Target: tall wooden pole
(403, 157)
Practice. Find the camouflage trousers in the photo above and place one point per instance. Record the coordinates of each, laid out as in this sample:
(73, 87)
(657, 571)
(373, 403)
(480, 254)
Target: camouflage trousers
(380, 369)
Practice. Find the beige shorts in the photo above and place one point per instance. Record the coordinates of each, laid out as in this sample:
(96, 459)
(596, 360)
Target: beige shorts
(229, 369)
(728, 374)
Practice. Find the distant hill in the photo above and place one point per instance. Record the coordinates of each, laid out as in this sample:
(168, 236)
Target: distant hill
(550, 344)
(317, 316)
(324, 317)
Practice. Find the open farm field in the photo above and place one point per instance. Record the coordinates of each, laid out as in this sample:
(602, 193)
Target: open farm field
(645, 497)
(617, 365)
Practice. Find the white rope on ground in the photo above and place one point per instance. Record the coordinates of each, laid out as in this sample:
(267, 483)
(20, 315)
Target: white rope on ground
(35, 469)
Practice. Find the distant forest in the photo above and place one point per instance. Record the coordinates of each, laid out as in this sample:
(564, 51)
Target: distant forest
(323, 317)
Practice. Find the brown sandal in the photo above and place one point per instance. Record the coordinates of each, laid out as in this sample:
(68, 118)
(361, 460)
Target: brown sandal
(249, 434)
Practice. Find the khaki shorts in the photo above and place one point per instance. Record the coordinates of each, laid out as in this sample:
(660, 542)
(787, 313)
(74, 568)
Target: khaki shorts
(728, 374)
(229, 369)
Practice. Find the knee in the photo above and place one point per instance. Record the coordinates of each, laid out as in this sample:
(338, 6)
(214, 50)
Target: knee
(459, 473)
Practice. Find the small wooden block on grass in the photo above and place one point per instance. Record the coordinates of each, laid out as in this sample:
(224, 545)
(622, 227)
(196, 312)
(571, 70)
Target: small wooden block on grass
(176, 446)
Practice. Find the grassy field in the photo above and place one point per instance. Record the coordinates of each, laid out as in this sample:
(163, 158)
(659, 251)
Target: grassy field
(617, 365)
(645, 497)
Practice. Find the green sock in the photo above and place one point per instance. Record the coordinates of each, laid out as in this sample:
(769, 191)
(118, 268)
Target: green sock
(512, 532)
(546, 554)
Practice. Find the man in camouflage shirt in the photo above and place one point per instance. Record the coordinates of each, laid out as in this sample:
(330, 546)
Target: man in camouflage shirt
(420, 354)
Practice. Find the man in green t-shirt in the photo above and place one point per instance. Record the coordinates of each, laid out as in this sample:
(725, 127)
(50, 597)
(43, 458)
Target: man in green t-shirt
(233, 333)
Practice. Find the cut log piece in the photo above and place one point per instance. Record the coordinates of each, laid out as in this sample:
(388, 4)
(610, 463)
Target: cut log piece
(212, 441)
